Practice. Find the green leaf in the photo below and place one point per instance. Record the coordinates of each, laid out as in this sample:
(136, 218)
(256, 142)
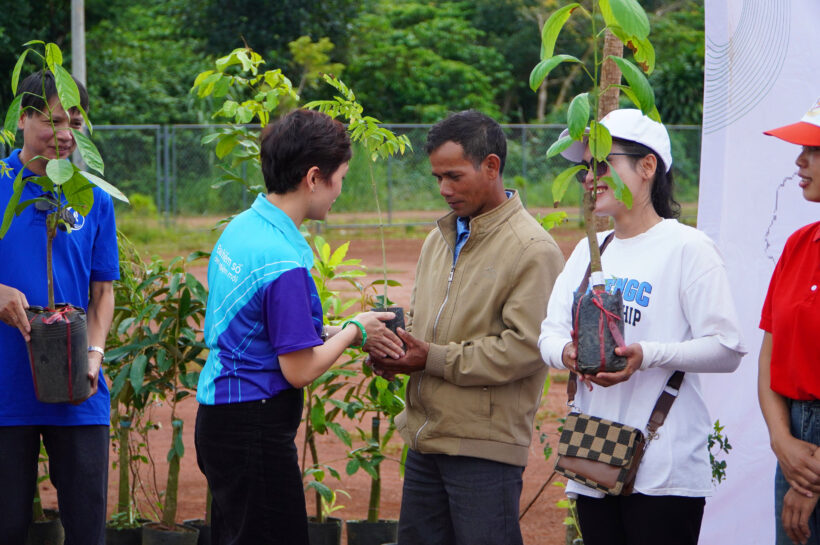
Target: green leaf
(317, 418)
(341, 433)
(559, 145)
(8, 214)
(600, 141)
(88, 151)
(225, 146)
(119, 381)
(79, 193)
(353, 466)
(138, 372)
(578, 115)
(631, 17)
(66, 88)
(553, 220)
(543, 68)
(641, 48)
(13, 116)
(322, 489)
(622, 192)
(59, 170)
(105, 186)
(552, 28)
(54, 57)
(630, 94)
(85, 118)
(18, 67)
(562, 182)
(638, 83)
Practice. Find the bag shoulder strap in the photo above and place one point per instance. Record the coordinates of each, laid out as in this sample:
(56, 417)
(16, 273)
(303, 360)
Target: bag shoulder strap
(670, 390)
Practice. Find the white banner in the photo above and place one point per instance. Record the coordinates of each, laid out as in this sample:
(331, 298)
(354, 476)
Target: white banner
(762, 72)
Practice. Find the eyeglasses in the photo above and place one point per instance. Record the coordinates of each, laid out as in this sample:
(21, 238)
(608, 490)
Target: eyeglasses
(601, 167)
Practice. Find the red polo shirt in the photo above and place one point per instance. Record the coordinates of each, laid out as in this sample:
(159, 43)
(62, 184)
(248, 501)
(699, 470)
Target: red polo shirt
(791, 313)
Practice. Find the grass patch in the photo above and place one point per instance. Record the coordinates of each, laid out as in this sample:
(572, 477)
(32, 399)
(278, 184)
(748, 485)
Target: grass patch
(153, 236)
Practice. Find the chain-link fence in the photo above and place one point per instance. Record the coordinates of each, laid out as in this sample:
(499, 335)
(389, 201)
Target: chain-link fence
(169, 164)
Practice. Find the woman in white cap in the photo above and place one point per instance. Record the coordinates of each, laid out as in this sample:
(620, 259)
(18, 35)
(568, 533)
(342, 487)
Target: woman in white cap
(788, 380)
(678, 315)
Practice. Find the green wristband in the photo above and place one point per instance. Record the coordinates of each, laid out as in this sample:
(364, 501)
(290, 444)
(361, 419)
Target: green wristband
(361, 328)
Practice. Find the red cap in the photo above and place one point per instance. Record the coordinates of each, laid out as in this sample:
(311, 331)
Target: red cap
(805, 132)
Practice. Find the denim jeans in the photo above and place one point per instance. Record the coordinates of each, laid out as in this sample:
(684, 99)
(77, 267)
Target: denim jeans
(459, 500)
(248, 456)
(805, 425)
(78, 469)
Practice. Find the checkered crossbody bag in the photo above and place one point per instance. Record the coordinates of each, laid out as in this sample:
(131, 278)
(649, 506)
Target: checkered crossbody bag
(603, 454)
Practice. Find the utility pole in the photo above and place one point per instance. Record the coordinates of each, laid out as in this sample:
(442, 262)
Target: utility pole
(78, 40)
(78, 55)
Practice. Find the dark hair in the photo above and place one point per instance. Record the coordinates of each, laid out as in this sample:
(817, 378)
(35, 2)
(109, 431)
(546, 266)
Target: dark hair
(663, 186)
(33, 87)
(478, 134)
(301, 140)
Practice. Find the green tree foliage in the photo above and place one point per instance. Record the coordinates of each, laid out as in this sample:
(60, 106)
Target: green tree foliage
(46, 20)
(414, 62)
(510, 28)
(409, 60)
(140, 64)
(268, 26)
(678, 29)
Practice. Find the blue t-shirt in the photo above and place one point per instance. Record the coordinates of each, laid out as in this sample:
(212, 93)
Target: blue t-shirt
(261, 302)
(87, 254)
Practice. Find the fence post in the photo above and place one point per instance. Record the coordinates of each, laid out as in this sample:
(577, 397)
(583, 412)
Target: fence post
(159, 167)
(245, 186)
(174, 193)
(166, 155)
(389, 190)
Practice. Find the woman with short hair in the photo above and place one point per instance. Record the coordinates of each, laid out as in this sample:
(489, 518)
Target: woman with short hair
(264, 329)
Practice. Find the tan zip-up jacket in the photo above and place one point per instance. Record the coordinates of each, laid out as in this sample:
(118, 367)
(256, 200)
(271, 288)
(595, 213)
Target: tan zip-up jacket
(484, 375)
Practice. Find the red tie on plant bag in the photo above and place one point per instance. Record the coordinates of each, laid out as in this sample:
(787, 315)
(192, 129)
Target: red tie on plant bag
(611, 322)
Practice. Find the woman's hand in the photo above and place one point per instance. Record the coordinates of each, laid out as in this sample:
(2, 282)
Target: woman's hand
(634, 357)
(569, 357)
(380, 340)
(798, 464)
(797, 509)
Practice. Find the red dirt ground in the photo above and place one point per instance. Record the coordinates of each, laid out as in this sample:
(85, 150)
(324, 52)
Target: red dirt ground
(542, 524)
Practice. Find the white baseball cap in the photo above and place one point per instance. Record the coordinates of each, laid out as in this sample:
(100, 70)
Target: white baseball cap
(805, 132)
(628, 124)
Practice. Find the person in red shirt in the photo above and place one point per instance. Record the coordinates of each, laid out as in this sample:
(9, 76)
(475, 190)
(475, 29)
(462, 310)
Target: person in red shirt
(788, 380)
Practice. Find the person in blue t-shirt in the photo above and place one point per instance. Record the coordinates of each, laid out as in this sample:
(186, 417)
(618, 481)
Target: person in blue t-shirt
(85, 263)
(263, 327)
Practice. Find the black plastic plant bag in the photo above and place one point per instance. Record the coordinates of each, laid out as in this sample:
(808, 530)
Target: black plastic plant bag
(594, 316)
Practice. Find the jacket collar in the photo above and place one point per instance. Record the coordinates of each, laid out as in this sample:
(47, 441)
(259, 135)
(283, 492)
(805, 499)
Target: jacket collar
(483, 224)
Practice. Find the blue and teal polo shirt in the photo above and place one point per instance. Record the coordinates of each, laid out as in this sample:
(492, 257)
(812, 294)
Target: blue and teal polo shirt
(262, 302)
(87, 254)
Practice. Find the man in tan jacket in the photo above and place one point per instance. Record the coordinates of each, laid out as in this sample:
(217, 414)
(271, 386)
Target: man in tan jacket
(482, 283)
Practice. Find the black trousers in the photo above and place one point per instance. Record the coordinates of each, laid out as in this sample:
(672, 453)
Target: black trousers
(247, 453)
(638, 519)
(78, 469)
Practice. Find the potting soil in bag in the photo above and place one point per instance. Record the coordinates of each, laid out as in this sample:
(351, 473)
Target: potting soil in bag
(597, 318)
(58, 353)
